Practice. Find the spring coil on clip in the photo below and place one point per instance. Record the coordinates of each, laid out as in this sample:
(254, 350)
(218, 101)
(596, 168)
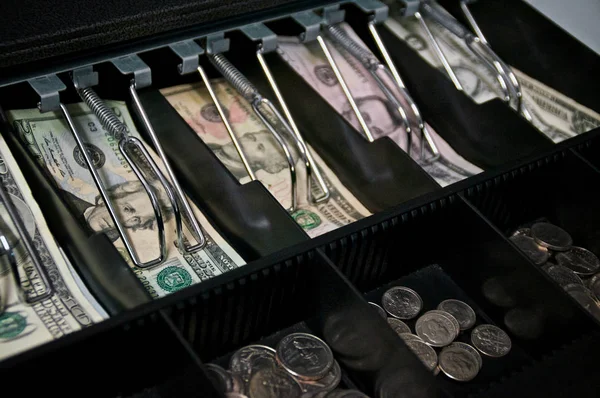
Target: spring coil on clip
(363, 55)
(107, 117)
(235, 77)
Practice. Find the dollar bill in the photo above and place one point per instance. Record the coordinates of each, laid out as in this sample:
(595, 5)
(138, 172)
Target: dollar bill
(24, 326)
(553, 113)
(51, 142)
(309, 61)
(266, 158)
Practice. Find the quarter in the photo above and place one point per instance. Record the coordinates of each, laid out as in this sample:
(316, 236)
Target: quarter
(551, 236)
(579, 260)
(305, 356)
(247, 360)
(537, 254)
(563, 275)
(273, 383)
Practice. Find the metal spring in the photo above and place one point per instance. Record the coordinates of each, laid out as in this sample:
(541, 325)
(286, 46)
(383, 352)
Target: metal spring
(107, 117)
(234, 77)
(352, 46)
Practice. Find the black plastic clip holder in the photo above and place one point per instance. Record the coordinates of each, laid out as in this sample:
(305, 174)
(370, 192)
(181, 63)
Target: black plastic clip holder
(377, 172)
(101, 267)
(8, 244)
(487, 135)
(250, 218)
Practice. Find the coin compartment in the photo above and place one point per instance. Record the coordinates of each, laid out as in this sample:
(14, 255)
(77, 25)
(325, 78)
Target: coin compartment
(526, 39)
(114, 359)
(488, 135)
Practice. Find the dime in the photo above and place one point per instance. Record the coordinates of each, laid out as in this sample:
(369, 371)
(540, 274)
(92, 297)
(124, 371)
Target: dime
(458, 363)
(469, 348)
(304, 356)
(521, 232)
(491, 340)
(450, 317)
(579, 260)
(536, 253)
(436, 329)
(324, 385)
(398, 326)
(402, 302)
(563, 275)
(460, 310)
(273, 383)
(410, 336)
(551, 236)
(247, 360)
(425, 353)
(380, 310)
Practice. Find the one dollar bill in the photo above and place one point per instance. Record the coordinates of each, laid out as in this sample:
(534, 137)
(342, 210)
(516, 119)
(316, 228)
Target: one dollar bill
(266, 158)
(309, 61)
(51, 142)
(553, 113)
(69, 309)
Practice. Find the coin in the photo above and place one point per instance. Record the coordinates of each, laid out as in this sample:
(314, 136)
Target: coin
(305, 356)
(324, 385)
(460, 310)
(536, 253)
(402, 302)
(469, 348)
(436, 329)
(579, 260)
(234, 395)
(247, 360)
(491, 340)
(273, 383)
(220, 377)
(594, 286)
(424, 352)
(398, 326)
(521, 231)
(458, 363)
(551, 236)
(563, 275)
(380, 310)
(450, 317)
(409, 336)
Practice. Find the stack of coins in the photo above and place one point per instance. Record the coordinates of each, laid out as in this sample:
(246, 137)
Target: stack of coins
(437, 329)
(302, 365)
(575, 269)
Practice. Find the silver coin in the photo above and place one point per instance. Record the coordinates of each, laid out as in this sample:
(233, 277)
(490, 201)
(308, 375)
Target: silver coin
(379, 310)
(563, 275)
(305, 356)
(402, 302)
(537, 254)
(521, 232)
(491, 340)
(424, 352)
(460, 310)
(346, 394)
(450, 317)
(594, 286)
(410, 336)
(469, 348)
(458, 364)
(247, 360)
(551, 236)
(273, 383)
(324, 385)
(579, 260)
(221, 378)
(436, 329)
(398, 326)
(234, 395)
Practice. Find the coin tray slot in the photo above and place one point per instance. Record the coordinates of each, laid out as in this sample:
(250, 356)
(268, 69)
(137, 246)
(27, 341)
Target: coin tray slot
(488, 134)
(434, 286)
(590, 148)
(527, 40)
(307, 292)
(141, 355)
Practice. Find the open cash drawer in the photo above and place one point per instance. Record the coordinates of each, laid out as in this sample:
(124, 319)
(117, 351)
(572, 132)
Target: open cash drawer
(443, 243)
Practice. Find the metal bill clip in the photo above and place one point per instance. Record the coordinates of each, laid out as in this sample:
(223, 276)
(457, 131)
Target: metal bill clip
(269, 115)
(378, 13)
(8, 242)
(267, 42)
(506, 79)
(138, 158)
